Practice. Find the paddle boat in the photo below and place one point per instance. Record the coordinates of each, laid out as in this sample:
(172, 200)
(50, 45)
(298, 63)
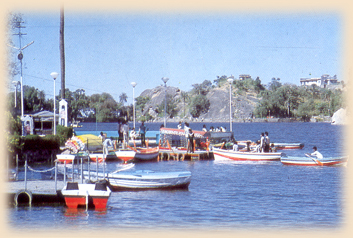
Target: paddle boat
(221, 154)
(68, 158)
(96, 195)
(310, 161)
(125, 154)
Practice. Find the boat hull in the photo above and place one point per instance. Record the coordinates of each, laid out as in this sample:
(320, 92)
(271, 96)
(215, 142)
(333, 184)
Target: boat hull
(305, 161)
(221, 154)
(147, 154)
(125, 155)
(95, 195)
(288, 146)
(68, 158)
(147, 180)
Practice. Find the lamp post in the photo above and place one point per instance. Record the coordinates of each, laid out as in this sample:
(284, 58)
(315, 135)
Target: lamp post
(133, 102)
(230, 81)
(165, 80)
(54, 75)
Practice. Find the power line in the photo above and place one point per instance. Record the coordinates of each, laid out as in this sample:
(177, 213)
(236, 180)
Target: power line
(73, 85)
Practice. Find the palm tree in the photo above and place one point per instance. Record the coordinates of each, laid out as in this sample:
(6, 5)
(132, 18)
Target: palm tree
(185, 96)
(123, 98)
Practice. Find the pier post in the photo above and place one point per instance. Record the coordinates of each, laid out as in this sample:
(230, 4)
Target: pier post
(26, 173)
(56, 175)
(81, 170)
(103, 166)
(89, 169)
(97, 168)
(65, 172)
(73, 166)
(16, 165)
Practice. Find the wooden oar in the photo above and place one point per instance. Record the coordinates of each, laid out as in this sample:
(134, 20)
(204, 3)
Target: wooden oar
(316, 160)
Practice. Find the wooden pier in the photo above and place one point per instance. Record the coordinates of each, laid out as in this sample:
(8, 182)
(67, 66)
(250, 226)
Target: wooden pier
(35, 192)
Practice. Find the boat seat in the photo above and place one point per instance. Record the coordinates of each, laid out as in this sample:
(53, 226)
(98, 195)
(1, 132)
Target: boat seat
(101, 186)
(72, 186)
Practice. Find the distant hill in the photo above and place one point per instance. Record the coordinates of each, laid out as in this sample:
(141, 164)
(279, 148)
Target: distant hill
(242, 105)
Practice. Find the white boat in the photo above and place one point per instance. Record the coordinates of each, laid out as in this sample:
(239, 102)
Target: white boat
(307, 161)
(68, 158)
(99, 156)
(221, 154)
(125, 155)
(145, 179)
(96, 195)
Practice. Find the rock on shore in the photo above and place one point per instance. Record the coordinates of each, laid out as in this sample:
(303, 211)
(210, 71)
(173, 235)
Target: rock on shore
(339, 117)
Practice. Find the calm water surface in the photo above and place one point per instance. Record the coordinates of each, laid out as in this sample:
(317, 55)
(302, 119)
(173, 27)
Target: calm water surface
(222, 194)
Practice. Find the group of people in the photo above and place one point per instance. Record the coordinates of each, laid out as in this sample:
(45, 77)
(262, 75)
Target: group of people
(263, 145)
(123, 130)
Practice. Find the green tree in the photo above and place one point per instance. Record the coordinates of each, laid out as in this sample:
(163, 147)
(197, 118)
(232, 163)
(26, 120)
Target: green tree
(199, 104)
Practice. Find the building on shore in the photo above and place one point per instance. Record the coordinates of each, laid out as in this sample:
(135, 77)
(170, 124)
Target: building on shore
(323, 81)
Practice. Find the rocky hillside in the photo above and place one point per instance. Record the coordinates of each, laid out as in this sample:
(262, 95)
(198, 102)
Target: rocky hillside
(242, 105)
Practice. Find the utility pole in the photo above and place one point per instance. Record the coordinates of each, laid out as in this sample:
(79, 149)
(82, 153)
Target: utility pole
(62, 53)
(17, 24)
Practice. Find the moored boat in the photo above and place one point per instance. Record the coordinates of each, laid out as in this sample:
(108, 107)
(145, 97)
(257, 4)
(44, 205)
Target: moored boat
(96, 195)
(68, 158)
(146, 179)
(288, 146)
(125, 155)
(221, 154)
(147, 153)
(307, 161)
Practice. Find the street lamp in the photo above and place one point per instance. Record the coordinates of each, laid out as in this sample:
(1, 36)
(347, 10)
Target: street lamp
(230, 81)
(54, 75)
(165, 80)
(133, 102)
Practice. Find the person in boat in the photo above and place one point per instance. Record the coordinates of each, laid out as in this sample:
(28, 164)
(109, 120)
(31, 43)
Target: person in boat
(180, 126)
(211, 128)
(267, 142)
(204, 128)
(262, 142)
(316, 153)
(258, 147)
(191, 141)
(142, 132)
(273, 148)
(235, 146)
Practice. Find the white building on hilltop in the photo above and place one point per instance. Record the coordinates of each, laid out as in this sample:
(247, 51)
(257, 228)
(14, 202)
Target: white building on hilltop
(320, 82)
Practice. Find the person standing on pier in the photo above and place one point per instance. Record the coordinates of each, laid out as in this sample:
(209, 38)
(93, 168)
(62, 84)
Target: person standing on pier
(142, 132)
(186, 130)
(191, 141)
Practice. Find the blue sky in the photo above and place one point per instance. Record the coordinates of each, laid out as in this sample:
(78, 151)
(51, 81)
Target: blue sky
(106, 52)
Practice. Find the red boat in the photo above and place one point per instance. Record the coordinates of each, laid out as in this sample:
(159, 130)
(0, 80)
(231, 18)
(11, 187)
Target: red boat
(147, 153)
(88, 195)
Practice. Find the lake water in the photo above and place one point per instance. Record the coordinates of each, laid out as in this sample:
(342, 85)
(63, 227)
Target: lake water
(222, 194)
